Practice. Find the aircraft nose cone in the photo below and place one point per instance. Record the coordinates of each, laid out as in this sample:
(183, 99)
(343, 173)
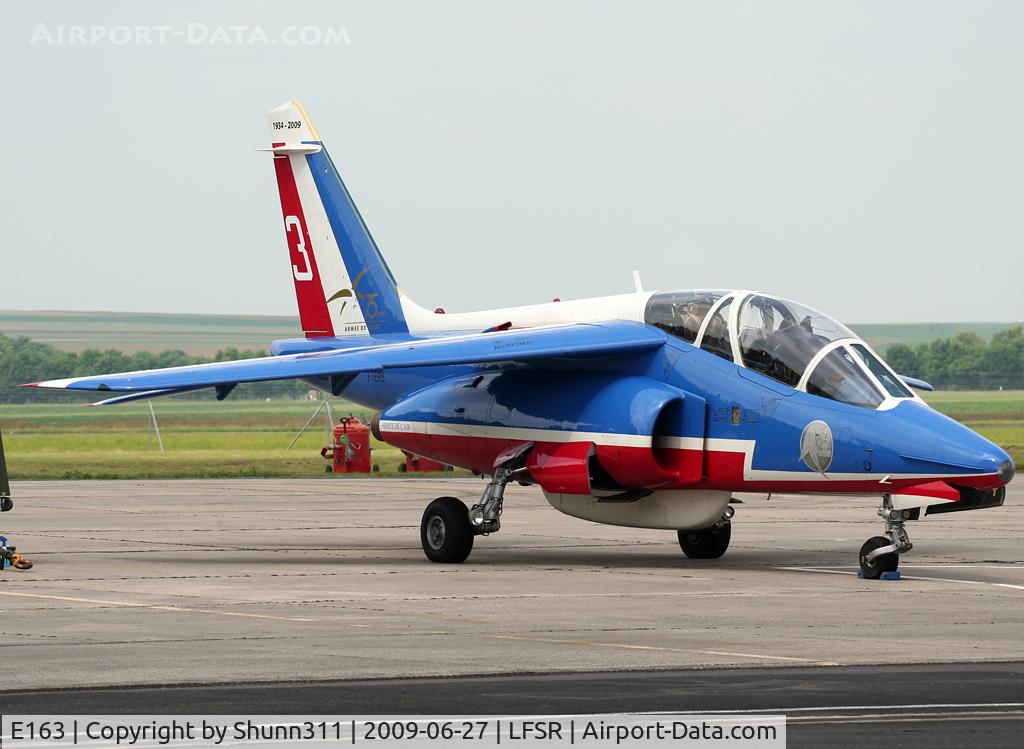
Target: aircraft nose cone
(1006, 471)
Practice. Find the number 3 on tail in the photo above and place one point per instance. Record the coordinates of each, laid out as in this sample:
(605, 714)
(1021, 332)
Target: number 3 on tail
(306, 273)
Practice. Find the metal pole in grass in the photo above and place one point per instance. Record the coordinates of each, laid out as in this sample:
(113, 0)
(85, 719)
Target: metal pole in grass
(156, 427)
(308, 422)
(5, 485)
(330, 419)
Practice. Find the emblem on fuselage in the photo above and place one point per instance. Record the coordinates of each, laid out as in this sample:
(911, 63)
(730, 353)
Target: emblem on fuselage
(816, 446)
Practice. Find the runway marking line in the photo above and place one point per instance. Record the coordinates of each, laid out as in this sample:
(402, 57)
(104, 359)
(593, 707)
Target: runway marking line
(908, 577)
(904, 718)
(837, 708)
(927, 567)
(754, 719)
(159, 607)
(664, 649)
(965, 566)
(771, 711)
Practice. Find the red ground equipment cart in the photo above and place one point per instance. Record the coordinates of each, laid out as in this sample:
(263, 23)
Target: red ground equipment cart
(417, 464)
(350, 450)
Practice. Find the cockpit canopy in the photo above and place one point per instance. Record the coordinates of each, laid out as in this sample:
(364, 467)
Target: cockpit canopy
(783, 340)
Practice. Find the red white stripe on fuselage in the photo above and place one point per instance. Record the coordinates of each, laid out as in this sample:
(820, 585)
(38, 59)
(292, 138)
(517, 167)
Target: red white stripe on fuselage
(728, 463)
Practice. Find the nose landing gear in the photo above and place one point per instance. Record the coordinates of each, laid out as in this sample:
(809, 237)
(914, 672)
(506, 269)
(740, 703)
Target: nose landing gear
(881, 554)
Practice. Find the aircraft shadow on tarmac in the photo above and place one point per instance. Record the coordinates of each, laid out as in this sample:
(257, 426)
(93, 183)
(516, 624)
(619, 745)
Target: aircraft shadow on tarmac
(611, 556)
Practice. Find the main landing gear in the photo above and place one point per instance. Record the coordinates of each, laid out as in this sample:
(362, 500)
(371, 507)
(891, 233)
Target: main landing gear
(448, 526)
(445, 531)
(708, 543)
(881, 554)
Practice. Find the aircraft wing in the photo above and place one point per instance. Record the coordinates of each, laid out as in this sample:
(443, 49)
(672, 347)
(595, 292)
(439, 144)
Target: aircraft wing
(590, 339)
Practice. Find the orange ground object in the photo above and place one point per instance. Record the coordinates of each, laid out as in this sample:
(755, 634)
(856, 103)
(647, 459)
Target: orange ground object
(417, 464)
(350, 450)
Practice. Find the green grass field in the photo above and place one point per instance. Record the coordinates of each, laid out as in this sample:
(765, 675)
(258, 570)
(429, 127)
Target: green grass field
(968, 405)
(202, 439)
(997, 414)
(198, 335)
(207, 439)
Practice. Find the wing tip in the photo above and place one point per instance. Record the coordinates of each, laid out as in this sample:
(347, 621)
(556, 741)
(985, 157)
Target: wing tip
(64, 384)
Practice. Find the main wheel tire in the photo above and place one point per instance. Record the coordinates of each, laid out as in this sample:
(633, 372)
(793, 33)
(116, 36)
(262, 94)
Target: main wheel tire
(445, 532)
(706, 543)
(886, 563)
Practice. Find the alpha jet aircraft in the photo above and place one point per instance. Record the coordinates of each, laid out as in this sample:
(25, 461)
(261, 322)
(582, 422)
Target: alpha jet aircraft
(647, 409)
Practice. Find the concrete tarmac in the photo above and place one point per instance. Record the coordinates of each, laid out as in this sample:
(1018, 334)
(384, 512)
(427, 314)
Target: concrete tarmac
(205, 582)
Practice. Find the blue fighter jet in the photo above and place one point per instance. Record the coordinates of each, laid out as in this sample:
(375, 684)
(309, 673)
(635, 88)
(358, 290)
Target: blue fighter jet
(646, 409)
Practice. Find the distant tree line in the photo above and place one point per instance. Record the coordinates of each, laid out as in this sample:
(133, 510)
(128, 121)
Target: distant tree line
(965, 362)
(24, 360)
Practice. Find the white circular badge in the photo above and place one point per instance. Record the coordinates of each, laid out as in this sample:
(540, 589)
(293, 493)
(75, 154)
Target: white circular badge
(816, 446)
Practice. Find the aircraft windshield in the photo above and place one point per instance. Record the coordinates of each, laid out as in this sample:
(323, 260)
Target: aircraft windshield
(838, 377)
(680, 313)
(716, 335)
(890, 382)
(778, 338)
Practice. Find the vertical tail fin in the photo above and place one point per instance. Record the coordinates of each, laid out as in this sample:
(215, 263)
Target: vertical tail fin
(342, 283)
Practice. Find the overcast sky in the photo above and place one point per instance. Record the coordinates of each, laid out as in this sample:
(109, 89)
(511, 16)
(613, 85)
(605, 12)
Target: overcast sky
(866, 158)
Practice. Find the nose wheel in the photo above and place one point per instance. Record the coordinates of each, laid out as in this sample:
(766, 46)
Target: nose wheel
(873, 565)
(881, 554)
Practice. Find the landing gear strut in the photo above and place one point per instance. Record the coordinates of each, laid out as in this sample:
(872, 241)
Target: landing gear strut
(708, 543)
(448, 528)
(881, 554)
(485, 515)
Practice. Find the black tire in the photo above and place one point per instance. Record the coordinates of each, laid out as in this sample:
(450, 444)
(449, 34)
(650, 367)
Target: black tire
(705, 543)
(445, 532)
(402, 468)
(886, 563)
